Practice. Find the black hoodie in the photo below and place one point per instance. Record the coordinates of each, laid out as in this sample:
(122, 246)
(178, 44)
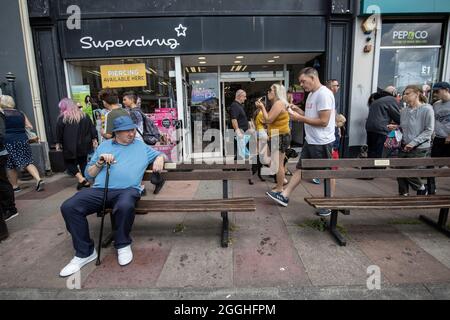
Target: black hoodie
(382, 111)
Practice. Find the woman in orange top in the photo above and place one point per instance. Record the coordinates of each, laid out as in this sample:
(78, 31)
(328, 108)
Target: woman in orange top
(277, 120)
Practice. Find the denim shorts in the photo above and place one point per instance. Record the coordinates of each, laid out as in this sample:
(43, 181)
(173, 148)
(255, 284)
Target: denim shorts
(284, 141)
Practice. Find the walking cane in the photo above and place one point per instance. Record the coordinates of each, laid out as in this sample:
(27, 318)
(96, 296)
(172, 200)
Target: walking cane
(105, 194)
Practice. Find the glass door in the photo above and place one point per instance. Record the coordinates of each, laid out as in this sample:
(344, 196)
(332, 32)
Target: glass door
(255, 88)
(204, 115)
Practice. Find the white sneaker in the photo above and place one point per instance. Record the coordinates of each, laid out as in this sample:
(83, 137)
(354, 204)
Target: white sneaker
(76, 264)
(124, 255)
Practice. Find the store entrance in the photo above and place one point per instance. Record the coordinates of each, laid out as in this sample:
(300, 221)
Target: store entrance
(254, 90)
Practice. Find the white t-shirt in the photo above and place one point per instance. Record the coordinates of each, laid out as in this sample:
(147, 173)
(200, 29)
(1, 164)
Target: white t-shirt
(319, 100)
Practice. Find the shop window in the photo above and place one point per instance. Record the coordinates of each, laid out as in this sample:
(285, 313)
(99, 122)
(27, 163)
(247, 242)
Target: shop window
(410, 53)
(159, 91)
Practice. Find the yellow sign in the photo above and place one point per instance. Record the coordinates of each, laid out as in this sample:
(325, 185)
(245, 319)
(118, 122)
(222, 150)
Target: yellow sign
(123, 75)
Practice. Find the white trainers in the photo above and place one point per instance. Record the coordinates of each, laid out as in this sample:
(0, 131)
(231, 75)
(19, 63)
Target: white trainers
(76, 264)
(124, 255)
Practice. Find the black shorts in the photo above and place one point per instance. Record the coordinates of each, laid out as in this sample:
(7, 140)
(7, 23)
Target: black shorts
(315, 151)
(284, 141)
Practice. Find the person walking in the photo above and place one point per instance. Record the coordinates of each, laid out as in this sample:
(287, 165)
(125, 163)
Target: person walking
(8, 208)
(277, 120)
(319, 120)
(77, 137)
(16, 142)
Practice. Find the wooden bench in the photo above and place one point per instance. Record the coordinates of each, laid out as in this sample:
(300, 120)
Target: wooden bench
(187, 172)
(378, 168)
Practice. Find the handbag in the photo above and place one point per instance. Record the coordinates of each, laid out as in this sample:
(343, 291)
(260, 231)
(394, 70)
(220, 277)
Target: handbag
(32, 136)
(393, 140)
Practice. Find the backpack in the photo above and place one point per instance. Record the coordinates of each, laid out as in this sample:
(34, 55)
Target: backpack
(151, 133)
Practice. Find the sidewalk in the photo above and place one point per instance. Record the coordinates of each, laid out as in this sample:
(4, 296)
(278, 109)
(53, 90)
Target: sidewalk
(273, 254)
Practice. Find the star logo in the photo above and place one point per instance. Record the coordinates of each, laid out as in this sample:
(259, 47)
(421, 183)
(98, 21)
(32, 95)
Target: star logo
(181, 30)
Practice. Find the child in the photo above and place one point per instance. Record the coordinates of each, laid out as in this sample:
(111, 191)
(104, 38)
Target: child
(339, 133)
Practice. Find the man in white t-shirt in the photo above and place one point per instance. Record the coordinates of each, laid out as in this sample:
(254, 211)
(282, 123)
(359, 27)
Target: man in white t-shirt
(319, 119)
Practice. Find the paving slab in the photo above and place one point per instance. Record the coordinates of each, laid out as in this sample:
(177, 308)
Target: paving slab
(50, 189)
(400, 259)
(264, 255)
(26, 252)
(197, 260)
(44, 273)
(430, 240)
(327, 263)
(143, 272)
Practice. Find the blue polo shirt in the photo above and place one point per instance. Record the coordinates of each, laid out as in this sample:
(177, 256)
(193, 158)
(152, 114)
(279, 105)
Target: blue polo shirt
(131, 162)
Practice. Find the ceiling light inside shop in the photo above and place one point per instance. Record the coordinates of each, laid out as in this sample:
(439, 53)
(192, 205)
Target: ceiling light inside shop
(152, 70)
(202, 62)
(237, 61)
(187, 69)
(232, 68)
(270, 61)
(276, 57)
(245, 67)
(193, 69)
(240, 57)
(201, 58)
(238, 68)
(95, 73)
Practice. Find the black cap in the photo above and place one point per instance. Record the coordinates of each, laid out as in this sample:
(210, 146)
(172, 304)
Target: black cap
(441, 85)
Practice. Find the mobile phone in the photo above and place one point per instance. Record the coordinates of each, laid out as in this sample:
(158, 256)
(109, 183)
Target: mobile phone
(263, 99)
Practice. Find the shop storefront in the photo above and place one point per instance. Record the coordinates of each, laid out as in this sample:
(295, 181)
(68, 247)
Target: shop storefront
(396, 43)
(410, 53)
(190, 62)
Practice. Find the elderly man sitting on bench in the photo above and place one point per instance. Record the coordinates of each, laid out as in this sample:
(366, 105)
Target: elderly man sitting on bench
(129, 158)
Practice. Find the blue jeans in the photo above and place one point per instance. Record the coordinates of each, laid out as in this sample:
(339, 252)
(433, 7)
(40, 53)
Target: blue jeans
(89, 201)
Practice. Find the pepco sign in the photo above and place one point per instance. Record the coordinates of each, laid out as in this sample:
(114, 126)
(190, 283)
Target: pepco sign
(409, 35)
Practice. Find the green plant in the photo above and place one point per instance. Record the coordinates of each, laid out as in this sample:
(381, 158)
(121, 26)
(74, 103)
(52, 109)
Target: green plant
(405, 221)
(320, 225)
(179, 228)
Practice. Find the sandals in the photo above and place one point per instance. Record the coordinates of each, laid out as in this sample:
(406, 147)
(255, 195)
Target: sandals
(40, 186)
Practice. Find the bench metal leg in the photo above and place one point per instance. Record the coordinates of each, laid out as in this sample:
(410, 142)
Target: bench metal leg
(225, 224)
(440, 225)
(225, 231)
(332, 227)
(110, 237)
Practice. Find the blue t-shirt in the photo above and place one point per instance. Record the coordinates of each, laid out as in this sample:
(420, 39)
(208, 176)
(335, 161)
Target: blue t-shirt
(131, 162)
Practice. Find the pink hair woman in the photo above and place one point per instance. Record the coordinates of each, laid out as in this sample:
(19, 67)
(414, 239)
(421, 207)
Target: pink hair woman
(77, 137)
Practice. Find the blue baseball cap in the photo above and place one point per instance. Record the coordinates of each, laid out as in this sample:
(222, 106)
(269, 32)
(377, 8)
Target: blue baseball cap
(441, 85)
(123, 123)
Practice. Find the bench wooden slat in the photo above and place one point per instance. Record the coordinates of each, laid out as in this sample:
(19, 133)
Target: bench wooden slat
(211, 205)
(201, 175)
(392, 203)
(371, 162)
(213, 166)
(383, 199)
(375, 173)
